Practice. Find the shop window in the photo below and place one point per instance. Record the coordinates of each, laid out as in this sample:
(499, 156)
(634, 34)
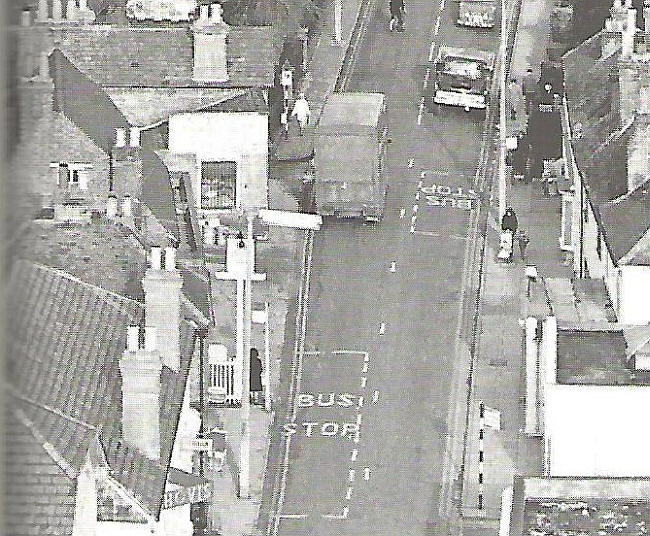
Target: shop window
(218, 185)
(71, 176)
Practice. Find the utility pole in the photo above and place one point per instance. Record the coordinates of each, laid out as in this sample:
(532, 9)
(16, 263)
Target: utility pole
(244, 452)
(267, 360)
(338, 23)
(502, 116)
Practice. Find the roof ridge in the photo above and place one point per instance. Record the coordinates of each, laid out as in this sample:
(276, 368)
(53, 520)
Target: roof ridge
(95, 288)
(50, 409)
(616, 134)
(626, 195)
(56, 456)
(585, 42)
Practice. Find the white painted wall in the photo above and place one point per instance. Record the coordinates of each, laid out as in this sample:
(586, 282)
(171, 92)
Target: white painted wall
(597, 430)
(239, 137)
(635, 295)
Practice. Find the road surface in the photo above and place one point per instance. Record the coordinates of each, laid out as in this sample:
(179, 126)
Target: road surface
(368, 443)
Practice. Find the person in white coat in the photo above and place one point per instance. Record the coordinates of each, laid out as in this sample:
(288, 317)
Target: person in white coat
(301, 112)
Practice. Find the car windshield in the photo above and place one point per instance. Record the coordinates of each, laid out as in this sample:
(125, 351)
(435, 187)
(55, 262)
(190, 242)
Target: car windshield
(461, 68)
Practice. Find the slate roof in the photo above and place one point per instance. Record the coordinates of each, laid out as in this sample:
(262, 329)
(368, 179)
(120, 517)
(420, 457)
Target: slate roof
(63, 359)
(626, 220)
(592, 94)
(157, 190)
(160, 57)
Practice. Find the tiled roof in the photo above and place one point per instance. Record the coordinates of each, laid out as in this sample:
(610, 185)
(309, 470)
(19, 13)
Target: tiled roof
(84, 102)
(592, 94)
(157, 190)
(626, 220)
(67, 339)
(158, 57)
(251, 101)
(38, 497)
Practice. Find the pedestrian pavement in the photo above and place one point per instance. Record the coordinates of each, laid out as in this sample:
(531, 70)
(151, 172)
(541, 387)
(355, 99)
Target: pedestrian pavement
(324, 69)
(498, 375)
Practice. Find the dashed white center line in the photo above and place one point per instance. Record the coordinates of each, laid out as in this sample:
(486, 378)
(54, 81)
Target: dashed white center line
(366, 473)
(365, 367)
(360, 403)
(355, 452)
(393, 267)
(402, 212)
(411, 162)
(421, 111)
(420, 184)
(417, 196)
(364, 380)
(426, 78)
(435, 33)
(375, 396)
(433, 46)
(413, 218)
(382, 328)
(351, 475)
(346, 511)
(366, 358)
(358, 419)
(412, 229)
(348, 494)
(415, 208)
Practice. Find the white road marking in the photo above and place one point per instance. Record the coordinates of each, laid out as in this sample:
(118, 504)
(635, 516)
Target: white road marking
(346, 511)
(410, 164)
(440, 235)
(433, 45)
(392, 267)
(353, 352)
(364, 380)
(415, 207)
(417, 196)
(365, 367)
(348, 494)
(313, 352)
(382, 328)
(375, 396)
(366, 473)
(442, 5)
(420, 184)
(358, 419)
(293, 516)
(421, 111)
(427, 74)
(413, 218)
(402, 212)
(351, 475)
(412, 229)
(423, 174)
(360, 402)
(366, 357)
(435, 33)
(355, 452)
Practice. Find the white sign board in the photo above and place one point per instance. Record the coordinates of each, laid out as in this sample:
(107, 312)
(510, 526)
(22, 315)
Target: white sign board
(296, 220)
(492, 418)
(197, 444)
(259, 317)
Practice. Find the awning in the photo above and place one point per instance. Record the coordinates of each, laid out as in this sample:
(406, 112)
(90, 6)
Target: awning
(193, 489)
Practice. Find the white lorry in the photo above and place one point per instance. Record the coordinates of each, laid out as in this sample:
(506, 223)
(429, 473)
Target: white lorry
(476, 13)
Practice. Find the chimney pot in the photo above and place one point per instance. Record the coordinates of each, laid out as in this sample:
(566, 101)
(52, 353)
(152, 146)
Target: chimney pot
(83, 5)
(26, 18)
(120, 137)
(71, 10)
(57, 10)
(111, 207)
(170, 259)
(133, 338)
(216, 12)
(135, 137)
(150, 338)
(155, 258)
(204, 12)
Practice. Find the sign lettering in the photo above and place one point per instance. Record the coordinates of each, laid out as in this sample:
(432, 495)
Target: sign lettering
(326, 429)
(325, 400)
(190, 495)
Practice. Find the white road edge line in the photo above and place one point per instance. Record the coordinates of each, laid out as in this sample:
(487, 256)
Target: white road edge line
(358, 419)
(411, 162)
(402, 212)
(313, 352)
(363, 381)
(393, 267)
(433, 46)
(375, 396)
(382, 328)
(366, 473)
(365, 367)
(417, 196)
(293, 516)
(416, 207)
(442, 235)
(351, 475)
(366, 357)
(435, 33)
(421, 111)
(348, 494)
(412, 229)
(360, 403)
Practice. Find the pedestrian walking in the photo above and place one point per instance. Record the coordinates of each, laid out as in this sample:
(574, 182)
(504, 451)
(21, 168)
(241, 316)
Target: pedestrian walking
(255, 378)
(509, 221)
(520, 157)
(302, 113)
(397, 12)
(284, 121)
(529, 87)
(523, 240)
(286, 80)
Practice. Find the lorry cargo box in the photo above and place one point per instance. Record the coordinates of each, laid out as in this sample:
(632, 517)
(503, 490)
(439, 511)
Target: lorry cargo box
(349, 149)
(476, 13)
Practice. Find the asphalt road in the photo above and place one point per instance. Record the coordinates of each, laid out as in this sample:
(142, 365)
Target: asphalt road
(374, 466)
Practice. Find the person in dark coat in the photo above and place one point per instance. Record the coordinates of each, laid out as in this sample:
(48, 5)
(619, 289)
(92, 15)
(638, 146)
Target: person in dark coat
(520, 156)
(255, 375)
(397, 11)
(509, 221)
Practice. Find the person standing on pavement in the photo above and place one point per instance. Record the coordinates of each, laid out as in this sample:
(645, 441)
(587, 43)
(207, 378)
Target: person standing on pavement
(509, 221)
(529, 86)
(255, 376)
(523, 239)
(301, 112)
(286, 80)
(397, 11)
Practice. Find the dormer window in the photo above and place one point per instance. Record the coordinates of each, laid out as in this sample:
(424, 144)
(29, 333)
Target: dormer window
(71, 175)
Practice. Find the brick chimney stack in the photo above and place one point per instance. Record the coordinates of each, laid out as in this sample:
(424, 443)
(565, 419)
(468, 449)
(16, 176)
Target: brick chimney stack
(162, 299)
(141, 368)
(210, 45)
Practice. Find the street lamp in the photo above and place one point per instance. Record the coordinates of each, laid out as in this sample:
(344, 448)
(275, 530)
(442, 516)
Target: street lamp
(502, 115)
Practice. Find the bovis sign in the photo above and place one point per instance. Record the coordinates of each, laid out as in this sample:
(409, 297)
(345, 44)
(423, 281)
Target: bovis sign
(188, 495)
